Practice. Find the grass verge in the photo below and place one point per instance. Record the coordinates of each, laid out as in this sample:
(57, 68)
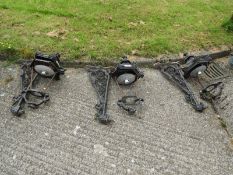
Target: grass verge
(107, 29)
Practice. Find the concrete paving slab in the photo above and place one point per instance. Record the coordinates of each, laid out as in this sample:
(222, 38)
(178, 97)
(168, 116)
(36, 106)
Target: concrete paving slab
(165, 137)
(226, 106)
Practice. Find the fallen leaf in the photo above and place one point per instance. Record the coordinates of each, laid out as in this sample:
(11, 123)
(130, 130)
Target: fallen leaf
(133, 24)
(134, 52)
(76, 39)
(110, 18)
(36, 33)
(60, 33)
(141, 22)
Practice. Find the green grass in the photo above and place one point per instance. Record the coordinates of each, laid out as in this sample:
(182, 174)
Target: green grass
(108, 29)
(229, 25)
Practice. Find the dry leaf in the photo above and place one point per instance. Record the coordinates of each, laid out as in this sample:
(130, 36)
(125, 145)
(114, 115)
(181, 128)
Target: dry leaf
(134, 52)
(110, 18)
(36, 33)
(132, 24)
(141, 22)
(60, 33)
(76, 39)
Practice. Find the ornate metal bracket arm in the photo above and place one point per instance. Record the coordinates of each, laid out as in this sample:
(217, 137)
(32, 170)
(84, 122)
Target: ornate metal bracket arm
(100, 80)
(174, 73)
(47, 66)
(27, 92)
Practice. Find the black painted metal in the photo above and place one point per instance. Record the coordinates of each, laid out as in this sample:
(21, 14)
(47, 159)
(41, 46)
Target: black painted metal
(193, 62)
(174, 73)
(28, 95)
(213, 94)
(100, 80)
(27, 81)
(214, 72)
(130, 103)
(50, 61)
(125, 67)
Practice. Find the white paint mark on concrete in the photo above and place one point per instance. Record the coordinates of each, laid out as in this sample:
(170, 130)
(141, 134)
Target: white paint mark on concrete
(83, 135)
(113, 165)
(128, 171)
(76, 130)
(134, 142)
(106, 143)
(152, 170)
(14, 157)
(100, 149)
(46, 134)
